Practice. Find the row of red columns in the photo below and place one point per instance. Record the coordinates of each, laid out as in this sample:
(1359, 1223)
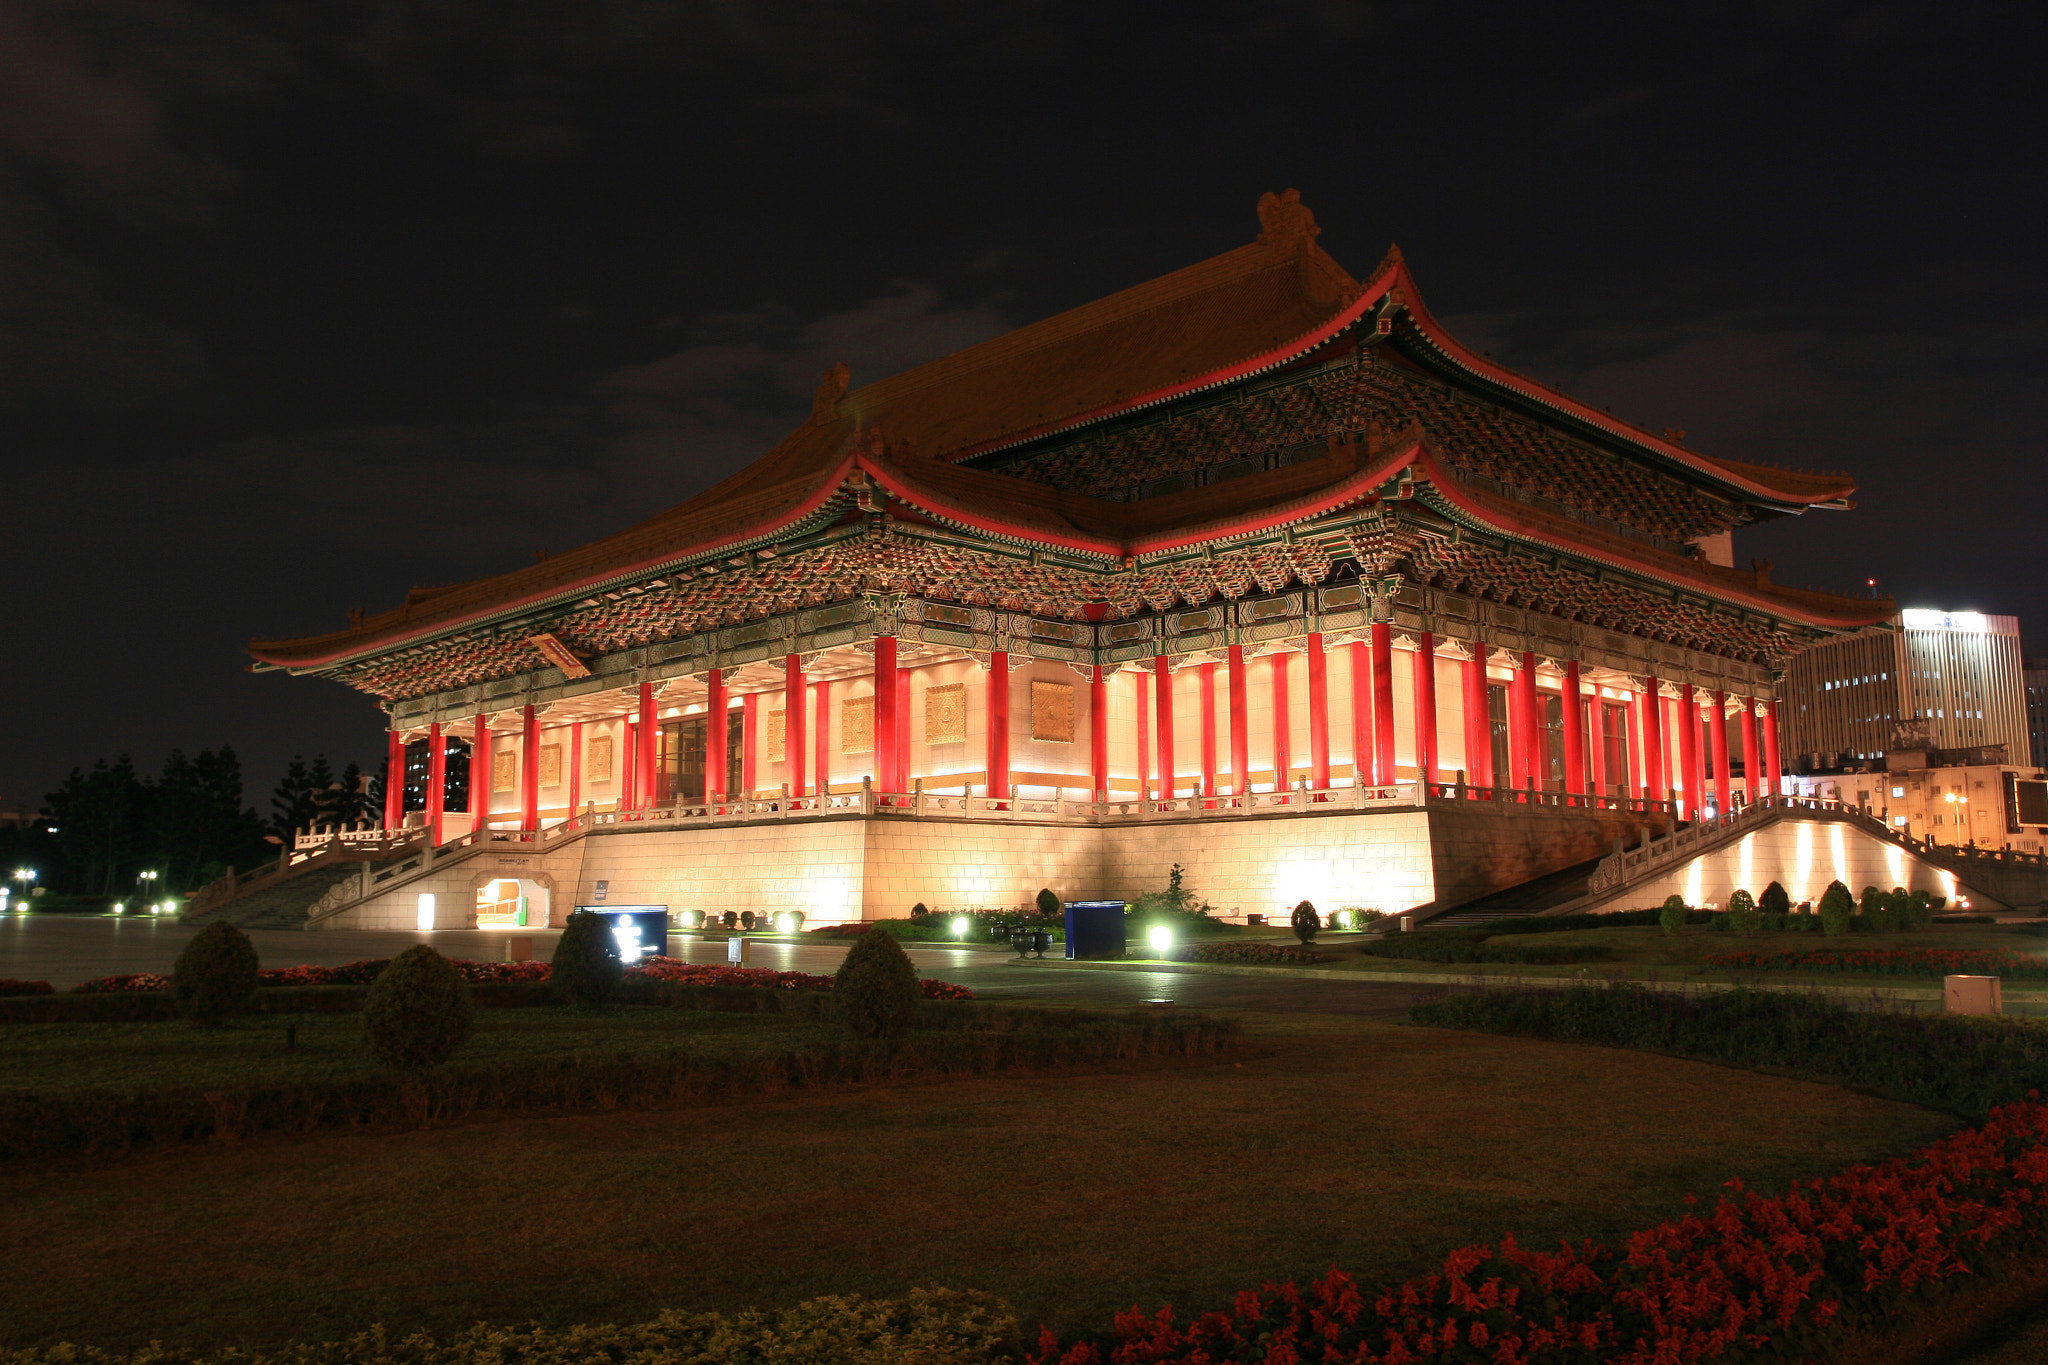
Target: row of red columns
(1372, 711)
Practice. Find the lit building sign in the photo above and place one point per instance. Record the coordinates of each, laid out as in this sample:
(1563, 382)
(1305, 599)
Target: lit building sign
(1968, 622)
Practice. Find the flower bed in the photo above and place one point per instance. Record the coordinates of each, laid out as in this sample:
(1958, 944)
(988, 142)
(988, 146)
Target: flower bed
(125, 982)
(1270, 953)
(10, 986)
(1927, 962)
(766, 978)
(1780, 1276)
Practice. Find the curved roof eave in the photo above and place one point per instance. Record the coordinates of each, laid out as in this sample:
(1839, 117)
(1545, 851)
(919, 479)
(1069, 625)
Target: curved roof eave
(829, 487)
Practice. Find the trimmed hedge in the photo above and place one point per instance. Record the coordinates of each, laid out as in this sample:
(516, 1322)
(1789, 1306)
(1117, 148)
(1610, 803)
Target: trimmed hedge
(929, 1326)
(952, 1038)
(1964, 1064)
(1290, 954)
(1438, 946)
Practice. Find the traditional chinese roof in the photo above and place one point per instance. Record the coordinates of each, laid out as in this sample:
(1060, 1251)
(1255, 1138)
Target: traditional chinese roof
(1273, 307)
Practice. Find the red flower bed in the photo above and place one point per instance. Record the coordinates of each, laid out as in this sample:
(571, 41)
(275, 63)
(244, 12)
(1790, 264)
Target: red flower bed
(1256, 952)
(766, 978)
(1755, 1274)
(10, 986)
(127, 981)
(1889, 962)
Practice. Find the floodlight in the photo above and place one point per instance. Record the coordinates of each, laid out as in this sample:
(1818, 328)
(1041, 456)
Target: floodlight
(961, 924)
(1161, 939)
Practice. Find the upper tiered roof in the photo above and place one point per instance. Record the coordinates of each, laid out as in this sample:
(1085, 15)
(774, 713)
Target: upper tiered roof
(1274, 303)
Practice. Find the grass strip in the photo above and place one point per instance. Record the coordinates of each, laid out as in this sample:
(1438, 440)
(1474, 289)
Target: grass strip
(1963, 1064)
(952, 1039)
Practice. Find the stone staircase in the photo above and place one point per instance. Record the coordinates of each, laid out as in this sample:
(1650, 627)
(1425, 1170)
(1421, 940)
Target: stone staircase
(1537, 896)
(285, 905)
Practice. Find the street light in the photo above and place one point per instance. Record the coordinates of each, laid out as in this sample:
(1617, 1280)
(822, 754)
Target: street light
(27, 877)
(1955, 800)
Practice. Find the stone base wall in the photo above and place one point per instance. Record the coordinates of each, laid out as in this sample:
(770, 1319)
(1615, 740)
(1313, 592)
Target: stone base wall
(1480, 847)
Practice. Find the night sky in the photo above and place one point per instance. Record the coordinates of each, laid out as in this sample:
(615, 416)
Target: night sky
(303, 305)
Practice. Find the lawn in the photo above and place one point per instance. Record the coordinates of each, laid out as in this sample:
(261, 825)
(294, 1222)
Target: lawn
(1643, 951)
(1373, 1146)
(328, 1047)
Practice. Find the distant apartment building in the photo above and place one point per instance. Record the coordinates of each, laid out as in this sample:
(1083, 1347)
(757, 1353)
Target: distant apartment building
(2034, 678)
(1930, 680)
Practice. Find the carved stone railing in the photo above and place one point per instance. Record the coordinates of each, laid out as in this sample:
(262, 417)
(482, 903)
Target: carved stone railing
(1656, 856)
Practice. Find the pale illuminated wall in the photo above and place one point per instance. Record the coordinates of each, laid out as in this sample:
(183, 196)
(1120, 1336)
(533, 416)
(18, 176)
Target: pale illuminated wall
(1804, 856)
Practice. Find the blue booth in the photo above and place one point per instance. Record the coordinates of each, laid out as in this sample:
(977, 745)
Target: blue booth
(1095, 929)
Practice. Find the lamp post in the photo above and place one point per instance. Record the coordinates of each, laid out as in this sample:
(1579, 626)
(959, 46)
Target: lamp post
(27, 877)
(1955, 800)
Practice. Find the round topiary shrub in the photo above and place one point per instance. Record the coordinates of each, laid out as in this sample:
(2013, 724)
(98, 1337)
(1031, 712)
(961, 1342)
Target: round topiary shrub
(1743, 914)
(587, 969)
(215, 975)
(1048, 903)
(876, 988)
(1775, 900)
(1671, 915)
(1837, 910)
(919, 911)
(1305, 921)
(417, 1011)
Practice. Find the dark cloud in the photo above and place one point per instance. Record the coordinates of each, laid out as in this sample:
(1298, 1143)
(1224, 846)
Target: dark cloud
(303, 305)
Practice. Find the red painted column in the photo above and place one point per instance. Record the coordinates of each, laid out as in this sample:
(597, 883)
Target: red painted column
(1752, 755)
(714, 737)
(999, 725)
(1318, 712)
(1098, 732)
(793, 723)
(1382, 703)
(750, 743)
(1518, 726)
(1363, 752)
(1478, 726)
(1632, 748)
(1162, 687)
(886, 720)
(1773, 774)
(1425, 707)
(1718, 728)
(394, 781)
(1208, 708)
(822, 735)
(575, 768)
(1689, 749)
(1240, 725)
(1650, 708)
(650, 738)
(903, 727)
(1574, 735)
(1596, 742)
(480, 774)
(1283, 749)
(629, 751)
(1144, 714)
(529, 769)
(437, 780)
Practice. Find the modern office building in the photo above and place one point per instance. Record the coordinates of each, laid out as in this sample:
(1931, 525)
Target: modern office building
(1933, 680)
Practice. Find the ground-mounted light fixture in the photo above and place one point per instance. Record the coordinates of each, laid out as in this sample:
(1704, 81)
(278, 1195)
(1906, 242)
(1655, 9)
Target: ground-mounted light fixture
(1161, 939)
(961, 924)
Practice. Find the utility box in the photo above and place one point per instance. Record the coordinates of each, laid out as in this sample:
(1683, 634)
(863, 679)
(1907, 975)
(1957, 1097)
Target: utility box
(1973, 994)
(736, 950)
(1095, 929)
(639, 930)
(519, 950)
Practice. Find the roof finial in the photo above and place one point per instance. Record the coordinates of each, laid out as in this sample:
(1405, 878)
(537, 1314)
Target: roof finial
(832, 388)
(1284, 221)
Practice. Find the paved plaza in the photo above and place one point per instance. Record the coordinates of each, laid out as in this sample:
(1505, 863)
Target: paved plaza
(65, 950)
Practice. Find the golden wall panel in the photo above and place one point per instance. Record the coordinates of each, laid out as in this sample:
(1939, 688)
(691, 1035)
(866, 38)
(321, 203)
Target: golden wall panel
(504, 772)
(945, 714)
(1052, 711)
(597, 759)
(857, 725)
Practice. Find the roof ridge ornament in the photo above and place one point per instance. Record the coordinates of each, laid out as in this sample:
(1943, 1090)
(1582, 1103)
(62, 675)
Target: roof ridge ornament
(1388, 262)
(831, 388)
(1285, 223)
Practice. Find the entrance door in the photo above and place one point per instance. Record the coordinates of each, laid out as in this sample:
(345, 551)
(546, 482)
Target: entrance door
(679, 762)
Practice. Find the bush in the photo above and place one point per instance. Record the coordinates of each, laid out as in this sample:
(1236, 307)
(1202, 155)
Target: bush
(1305, 921)
(586, 967)
(1837, 910)
(11, 986)
(1916, 911)
(1048, 904)
(215, 975)
(919, 911)
(418, 1011)
(876, 987)
(1436, 945)
(1774, 900)
(1744, 915)
(1672, 915)
(1284, 954)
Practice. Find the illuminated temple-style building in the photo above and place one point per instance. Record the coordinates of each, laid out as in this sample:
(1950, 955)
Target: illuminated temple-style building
(1252, 568)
